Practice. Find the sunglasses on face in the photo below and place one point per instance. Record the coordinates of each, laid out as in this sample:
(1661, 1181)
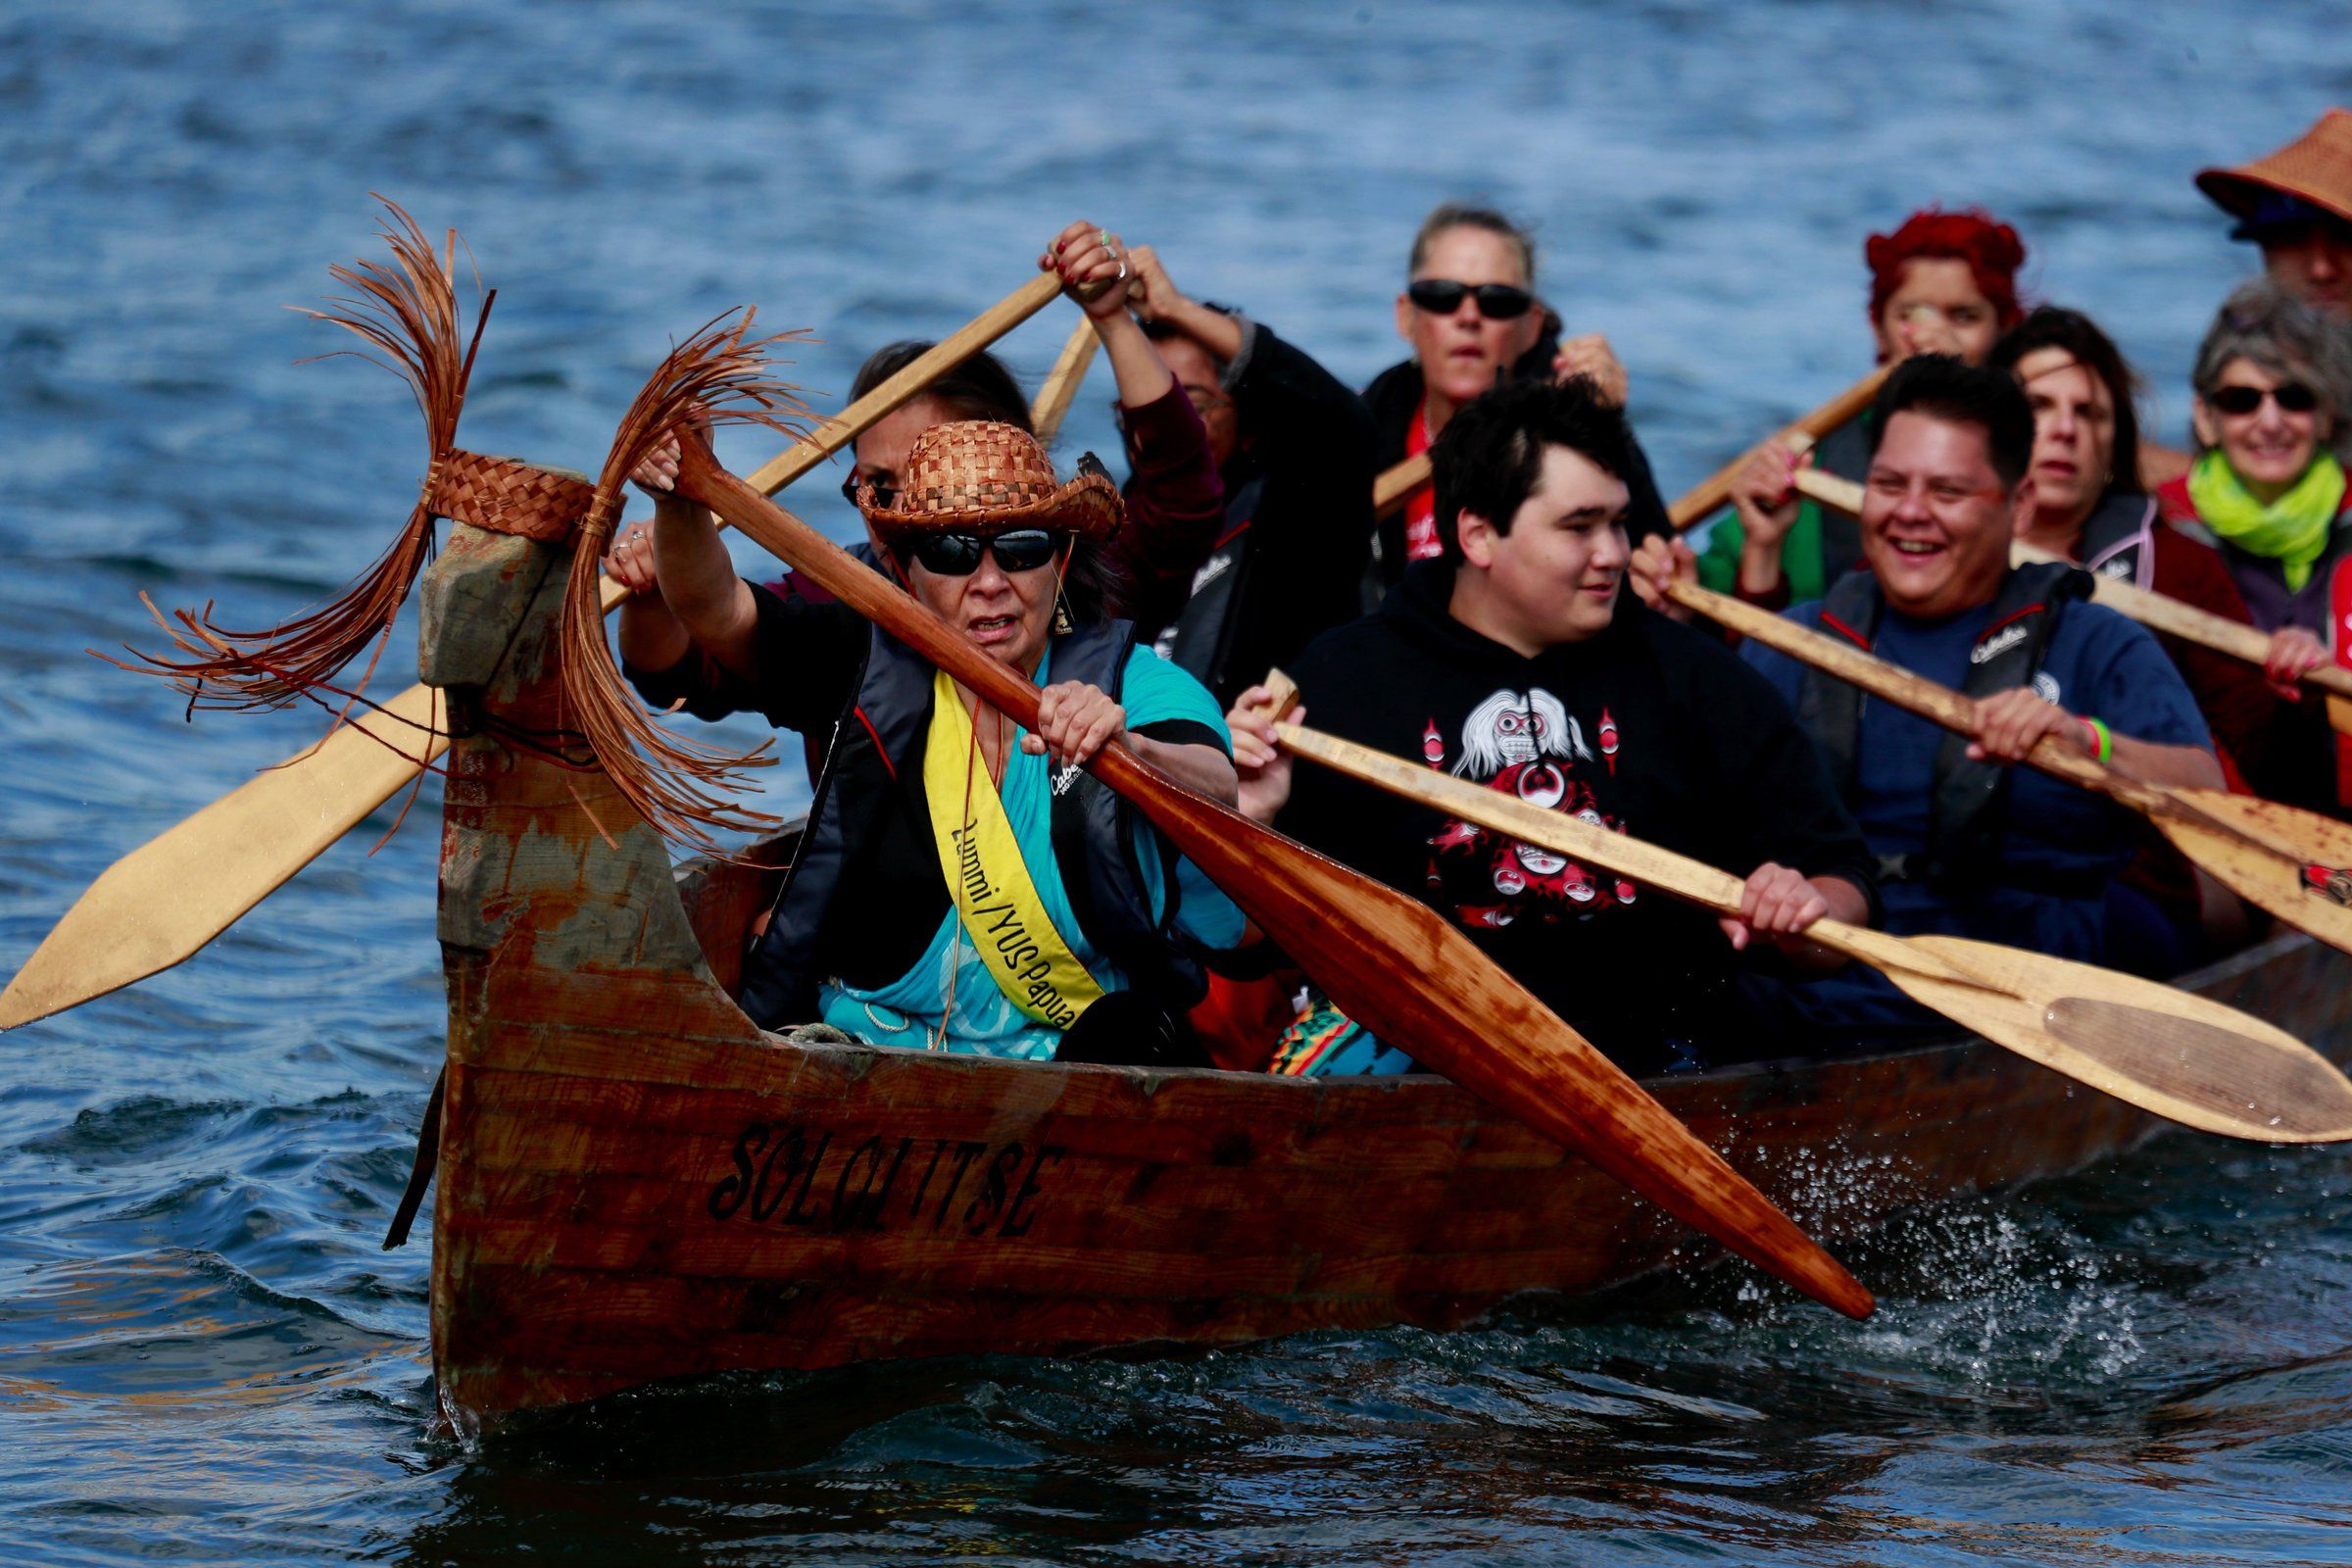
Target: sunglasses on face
(1441, 296)
(2293, 397)
(957, 555)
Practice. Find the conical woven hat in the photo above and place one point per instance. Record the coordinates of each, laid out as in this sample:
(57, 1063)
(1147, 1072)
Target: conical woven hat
(2316, 167)
(981, 476)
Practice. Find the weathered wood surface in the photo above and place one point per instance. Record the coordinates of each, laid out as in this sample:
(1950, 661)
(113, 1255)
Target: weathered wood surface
(638, 1185)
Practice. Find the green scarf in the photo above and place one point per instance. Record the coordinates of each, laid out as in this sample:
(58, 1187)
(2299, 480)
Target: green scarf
(2291, 530)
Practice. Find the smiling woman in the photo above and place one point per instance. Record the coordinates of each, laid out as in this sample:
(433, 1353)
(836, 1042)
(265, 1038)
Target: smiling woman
(2274, 388)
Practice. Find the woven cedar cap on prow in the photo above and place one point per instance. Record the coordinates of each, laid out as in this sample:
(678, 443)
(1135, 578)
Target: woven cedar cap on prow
(681, 786)
(407, 313)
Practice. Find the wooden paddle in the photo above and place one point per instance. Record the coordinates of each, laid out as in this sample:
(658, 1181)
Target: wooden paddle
(2154, 610)
(1707, 498)
(1697, 504)
(1051, 405)
(164, 900)
(2167, 1051)
(1392, 962)
(1395, 483)
(2295, 863)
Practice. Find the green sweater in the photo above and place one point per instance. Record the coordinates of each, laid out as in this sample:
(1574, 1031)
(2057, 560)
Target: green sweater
(1805, 558)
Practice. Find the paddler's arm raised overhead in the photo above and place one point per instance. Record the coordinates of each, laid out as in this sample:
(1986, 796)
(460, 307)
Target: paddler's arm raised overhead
(1175, 498)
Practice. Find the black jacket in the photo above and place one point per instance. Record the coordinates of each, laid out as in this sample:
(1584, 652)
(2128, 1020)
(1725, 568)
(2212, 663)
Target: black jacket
(865, 891)
(1394, 399)
(1652, 726)
(1289, 560)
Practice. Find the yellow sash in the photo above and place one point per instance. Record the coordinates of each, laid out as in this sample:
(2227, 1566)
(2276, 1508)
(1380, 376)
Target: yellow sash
(998, 903)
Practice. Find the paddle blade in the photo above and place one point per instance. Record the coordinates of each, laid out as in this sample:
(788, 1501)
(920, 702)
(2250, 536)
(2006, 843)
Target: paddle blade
(2339, 713)
(161, 903)
(2168, 1052)
(1406, 973)
(2295, 863)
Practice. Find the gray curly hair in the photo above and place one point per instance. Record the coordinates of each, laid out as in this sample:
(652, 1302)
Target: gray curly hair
(2288, 339)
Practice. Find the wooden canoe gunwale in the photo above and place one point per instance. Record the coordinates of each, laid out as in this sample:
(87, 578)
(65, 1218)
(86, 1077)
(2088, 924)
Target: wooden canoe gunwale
(602, 1090)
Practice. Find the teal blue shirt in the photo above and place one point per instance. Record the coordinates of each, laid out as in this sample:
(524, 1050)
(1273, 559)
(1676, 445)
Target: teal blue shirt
(949, 983)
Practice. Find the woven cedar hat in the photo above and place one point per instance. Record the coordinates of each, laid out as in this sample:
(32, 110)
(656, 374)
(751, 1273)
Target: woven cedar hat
(2314, 168)
(979, 476)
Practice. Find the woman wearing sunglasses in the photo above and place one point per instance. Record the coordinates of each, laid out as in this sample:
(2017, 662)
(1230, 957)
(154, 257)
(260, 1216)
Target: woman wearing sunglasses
(1941, 283)
(1470, 313)
(961, 884)
(2274, 385)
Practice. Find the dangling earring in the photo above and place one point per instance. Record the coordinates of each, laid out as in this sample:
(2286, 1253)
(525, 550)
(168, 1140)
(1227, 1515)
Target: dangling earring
(1063, 625)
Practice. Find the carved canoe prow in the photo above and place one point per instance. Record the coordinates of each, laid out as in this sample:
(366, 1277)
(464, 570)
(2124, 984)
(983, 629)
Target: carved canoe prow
(635, 1183)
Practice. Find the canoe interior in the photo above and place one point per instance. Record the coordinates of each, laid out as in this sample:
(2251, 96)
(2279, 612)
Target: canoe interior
(637, 1184)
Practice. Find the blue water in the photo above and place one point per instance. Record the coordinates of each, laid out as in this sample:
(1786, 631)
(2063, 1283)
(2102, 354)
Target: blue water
(204, 1356)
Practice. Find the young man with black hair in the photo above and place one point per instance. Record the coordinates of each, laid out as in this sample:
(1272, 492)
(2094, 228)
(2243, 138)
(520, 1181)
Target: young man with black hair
(1515, 659)
(1968, 845)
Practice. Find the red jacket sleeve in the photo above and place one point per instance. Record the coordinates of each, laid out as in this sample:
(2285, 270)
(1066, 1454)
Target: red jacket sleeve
(2237, 702)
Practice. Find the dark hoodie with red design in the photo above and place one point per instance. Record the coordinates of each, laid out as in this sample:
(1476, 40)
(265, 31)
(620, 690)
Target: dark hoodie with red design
(1650, 728)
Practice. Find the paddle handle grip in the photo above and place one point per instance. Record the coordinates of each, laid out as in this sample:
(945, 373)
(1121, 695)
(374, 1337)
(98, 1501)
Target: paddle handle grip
(1706, 498)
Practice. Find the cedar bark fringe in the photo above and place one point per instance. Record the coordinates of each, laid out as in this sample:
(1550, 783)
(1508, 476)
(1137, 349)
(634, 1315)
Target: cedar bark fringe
(407, 312)
(680, 787)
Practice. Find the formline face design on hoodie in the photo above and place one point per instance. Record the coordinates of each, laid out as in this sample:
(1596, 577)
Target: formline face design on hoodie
(1527, 744)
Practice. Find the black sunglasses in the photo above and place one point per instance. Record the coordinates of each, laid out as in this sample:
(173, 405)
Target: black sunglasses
(2239, 400)
(957, 555)
(1443, 296)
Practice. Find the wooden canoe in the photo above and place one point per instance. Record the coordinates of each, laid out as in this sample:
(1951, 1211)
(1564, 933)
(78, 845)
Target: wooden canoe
(636, 1183)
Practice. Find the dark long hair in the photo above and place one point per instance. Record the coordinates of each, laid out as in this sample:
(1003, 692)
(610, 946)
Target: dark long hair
(980, 388)
(2077, 336)
(1095, 582)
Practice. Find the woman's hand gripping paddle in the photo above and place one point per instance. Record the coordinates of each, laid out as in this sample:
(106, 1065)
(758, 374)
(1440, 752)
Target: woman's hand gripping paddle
(161, 903)
(2170, 1053)
(1395, 964)
(2295, 863)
